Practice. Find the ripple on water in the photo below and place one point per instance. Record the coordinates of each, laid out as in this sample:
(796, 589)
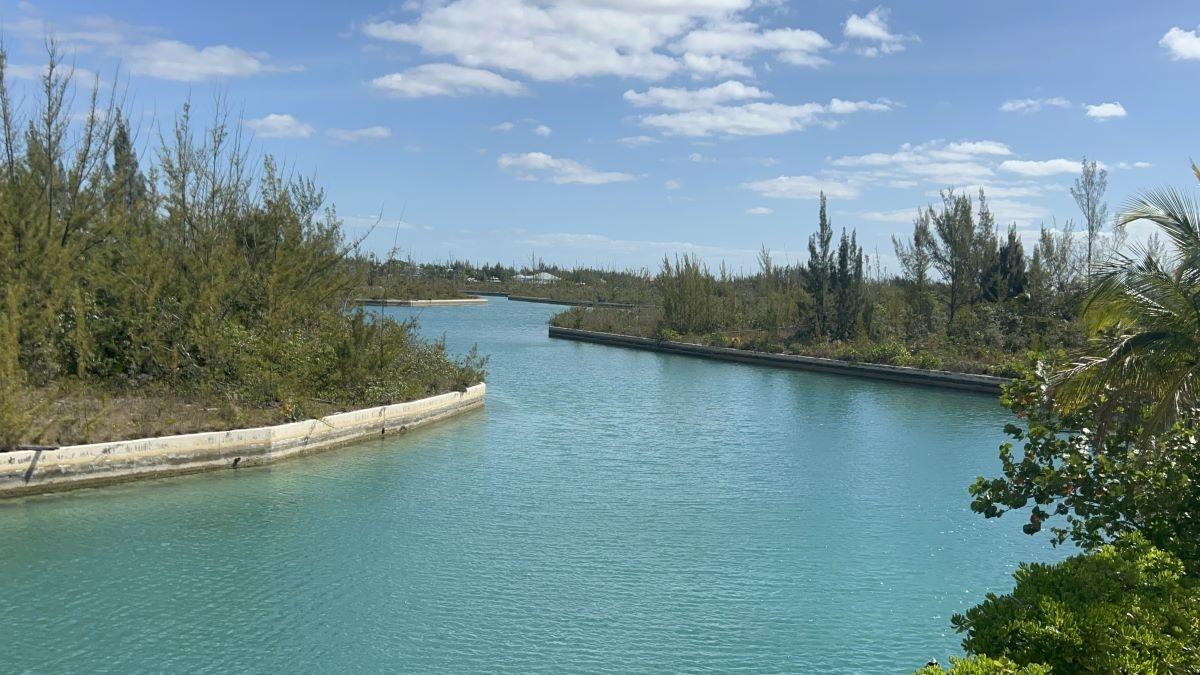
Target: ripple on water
(610, 510)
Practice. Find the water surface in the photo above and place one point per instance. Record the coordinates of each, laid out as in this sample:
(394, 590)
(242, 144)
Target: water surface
(609, 510)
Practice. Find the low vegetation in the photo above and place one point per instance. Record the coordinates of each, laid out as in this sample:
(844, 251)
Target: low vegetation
(203, 279)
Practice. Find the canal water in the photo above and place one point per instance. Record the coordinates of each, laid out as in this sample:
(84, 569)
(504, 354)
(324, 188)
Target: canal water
(609, 510)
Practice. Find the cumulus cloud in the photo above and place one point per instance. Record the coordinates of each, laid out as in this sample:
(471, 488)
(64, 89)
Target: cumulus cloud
(1032, 105)
(760, 211)
(957, 163)
(756, 119)
(801, 187)
(279, 126)
(445, 79)
(147, 54)
(174, 60)
(672, 184)
(1183, 45)
(503, 127)
(375, 133)
(703, 67)
(690, 99)
(718, 49)
(1102, 112)
(533, 166)
(1039, 168)
(873, 27)
(542, 130)
(569, 39)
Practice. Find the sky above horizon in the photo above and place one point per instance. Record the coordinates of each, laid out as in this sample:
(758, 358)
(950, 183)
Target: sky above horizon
(612, 132)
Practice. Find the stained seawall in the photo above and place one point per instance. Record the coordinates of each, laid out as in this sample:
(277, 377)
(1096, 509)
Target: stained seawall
(33, 471)
(985, 384)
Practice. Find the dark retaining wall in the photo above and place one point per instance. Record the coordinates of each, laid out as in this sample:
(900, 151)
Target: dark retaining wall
(985, 384)
(571, 303)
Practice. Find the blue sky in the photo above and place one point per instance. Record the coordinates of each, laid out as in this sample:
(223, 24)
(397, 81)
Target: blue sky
(611, 132)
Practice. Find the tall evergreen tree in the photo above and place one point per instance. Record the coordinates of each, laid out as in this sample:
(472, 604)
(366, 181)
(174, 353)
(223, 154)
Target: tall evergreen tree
(954, 250)
(127, 179)
(820, 271)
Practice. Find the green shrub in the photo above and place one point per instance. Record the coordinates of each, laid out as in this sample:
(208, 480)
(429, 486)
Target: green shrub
(1126, 608)
(983, 665)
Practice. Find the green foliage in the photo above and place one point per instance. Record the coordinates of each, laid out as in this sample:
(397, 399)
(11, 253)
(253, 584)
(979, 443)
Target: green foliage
(1144, 314)
(1102, 482)
(985, 665)
(205, 277)
(1126, 608)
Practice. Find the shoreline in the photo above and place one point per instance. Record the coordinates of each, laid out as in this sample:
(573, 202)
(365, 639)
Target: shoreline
(28, 472)
(982, 384)
(392, 302)
(552, 301)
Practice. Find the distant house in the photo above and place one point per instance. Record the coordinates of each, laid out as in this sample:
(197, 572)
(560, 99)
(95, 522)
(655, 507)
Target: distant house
(539, 278)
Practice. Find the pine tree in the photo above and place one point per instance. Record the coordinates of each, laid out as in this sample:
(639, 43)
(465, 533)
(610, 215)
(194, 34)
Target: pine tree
(820, 271)
(127, 181)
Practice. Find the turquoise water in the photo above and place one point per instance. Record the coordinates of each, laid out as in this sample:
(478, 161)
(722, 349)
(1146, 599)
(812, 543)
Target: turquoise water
(610, 510)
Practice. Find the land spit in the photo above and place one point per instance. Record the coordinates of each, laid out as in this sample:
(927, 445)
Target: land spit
(68, 467)
(985, 384)
(391, 302)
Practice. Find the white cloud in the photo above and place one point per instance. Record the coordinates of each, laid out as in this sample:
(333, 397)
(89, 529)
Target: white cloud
(801, 187)
(375, 133)
(755, 119)
(720, 47)
(760, 211)
(691, 99)
(873, 27)
(703, 67)
(279, 126)
(1184, 45)
(938, 162)
(446, 79)
(1133, 165)
(569, 39)
(1103, 112)
(635, 141)
(1031, 105)
(534, 165)
(559, 41)
(542, 130)
(672, 184)
(979, 148)
(174, 60)
(699, 158)
(1039, 168)
(503, 127)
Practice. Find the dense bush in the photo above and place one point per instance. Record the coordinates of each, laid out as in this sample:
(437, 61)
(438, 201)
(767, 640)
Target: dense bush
(1126, 608)
(984, 665)
(201, 275)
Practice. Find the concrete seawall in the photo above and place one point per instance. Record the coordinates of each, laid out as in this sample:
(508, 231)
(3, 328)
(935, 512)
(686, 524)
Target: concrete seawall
(33, 471)
(571, 303)
(389, 302)
(985, 384)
